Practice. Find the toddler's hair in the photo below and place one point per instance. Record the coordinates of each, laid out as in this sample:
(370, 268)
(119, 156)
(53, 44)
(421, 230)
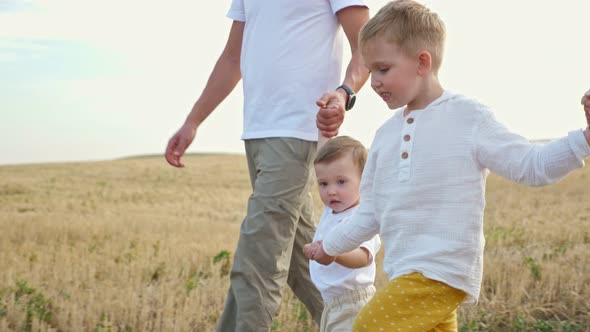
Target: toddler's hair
(411, 26)
(338, 146)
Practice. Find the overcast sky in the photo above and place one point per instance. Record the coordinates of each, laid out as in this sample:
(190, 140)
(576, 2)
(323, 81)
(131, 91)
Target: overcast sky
(93, 80)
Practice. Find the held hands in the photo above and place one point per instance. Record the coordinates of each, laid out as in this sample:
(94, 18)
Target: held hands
(310, 249)
(178, 144)
(331, 113)
(316, 252)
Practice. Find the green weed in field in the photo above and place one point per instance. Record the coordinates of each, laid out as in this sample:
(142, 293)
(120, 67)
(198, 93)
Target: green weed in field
(34, 303)
(224, 259)
(535, 268)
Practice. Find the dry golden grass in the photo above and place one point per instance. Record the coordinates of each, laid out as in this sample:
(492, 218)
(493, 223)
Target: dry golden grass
(135, 245)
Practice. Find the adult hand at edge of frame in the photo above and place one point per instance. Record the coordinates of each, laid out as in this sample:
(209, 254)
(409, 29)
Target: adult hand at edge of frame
(178, 144)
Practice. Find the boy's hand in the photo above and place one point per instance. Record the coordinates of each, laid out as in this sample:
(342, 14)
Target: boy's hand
(321, 256)
(586, 103)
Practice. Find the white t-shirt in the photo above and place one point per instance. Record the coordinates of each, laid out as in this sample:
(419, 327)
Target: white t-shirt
(291, 55)
(334, 280)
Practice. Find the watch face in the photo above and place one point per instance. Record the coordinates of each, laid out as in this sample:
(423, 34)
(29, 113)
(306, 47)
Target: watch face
(351, 96)
(351, 100)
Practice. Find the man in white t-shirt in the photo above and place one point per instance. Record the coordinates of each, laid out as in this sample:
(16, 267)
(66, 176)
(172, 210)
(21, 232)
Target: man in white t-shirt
(289, 55)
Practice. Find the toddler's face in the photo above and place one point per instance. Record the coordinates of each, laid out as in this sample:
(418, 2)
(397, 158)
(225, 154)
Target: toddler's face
(394, 74)
(338, 182)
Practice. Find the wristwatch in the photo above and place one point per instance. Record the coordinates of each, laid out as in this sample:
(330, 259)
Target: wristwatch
(351, 96)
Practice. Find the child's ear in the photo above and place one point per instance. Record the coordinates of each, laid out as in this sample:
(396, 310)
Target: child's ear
(424, 63)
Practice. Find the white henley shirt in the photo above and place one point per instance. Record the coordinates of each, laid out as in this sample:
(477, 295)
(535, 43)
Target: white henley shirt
(424, 181)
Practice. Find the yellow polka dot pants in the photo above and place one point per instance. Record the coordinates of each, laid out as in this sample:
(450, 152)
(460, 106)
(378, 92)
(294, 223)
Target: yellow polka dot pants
(411, 303)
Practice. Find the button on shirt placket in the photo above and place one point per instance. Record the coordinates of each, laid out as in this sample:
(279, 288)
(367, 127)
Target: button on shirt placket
(406, 146)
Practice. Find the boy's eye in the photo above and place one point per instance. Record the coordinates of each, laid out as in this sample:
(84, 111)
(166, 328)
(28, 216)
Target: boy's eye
(323, 184)
(383, 70)
(341, 181)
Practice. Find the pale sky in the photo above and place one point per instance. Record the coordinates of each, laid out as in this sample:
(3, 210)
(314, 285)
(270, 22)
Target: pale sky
(94, 80)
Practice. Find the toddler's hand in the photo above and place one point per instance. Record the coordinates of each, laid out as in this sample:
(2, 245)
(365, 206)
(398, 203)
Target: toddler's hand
(321, 257)
(309, 250)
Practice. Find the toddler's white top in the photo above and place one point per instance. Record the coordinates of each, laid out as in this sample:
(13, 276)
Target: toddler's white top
(334, 280)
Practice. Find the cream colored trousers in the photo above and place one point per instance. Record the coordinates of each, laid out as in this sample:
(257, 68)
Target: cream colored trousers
(340, 312)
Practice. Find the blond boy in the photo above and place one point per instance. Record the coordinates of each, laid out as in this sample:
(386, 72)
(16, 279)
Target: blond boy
(423, 187)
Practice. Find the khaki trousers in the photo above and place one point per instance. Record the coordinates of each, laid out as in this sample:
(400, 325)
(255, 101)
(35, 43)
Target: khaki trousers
(277, 225)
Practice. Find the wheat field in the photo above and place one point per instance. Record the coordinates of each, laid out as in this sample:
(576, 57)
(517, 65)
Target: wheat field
(136, 245)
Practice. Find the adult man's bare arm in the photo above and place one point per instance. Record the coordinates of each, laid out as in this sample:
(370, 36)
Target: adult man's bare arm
(223, 79)
(332, 104)
(352, 20)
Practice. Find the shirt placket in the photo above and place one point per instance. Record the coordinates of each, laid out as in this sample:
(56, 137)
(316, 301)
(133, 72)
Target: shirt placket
(406, 147)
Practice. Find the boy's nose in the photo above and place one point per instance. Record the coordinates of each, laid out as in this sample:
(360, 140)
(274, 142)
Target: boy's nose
(375, 83)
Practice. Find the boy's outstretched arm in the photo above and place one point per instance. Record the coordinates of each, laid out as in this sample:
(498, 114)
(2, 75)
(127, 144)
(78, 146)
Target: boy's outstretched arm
(356, 259)
(321, 140)
(514, 157)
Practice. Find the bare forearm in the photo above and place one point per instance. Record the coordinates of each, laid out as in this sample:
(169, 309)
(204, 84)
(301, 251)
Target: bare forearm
(356, 73)
(352, 19)
(223, 79)
(354, 259)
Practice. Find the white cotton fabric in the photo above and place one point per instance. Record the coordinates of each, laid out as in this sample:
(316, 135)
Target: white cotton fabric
(291, 55)
(335, 280)
(429, 207)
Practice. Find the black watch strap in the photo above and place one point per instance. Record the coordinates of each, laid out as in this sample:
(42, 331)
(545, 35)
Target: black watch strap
(351, 96)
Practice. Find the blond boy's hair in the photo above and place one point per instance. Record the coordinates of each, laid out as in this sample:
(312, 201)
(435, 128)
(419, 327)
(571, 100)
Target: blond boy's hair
(338, 147)
(411, 26)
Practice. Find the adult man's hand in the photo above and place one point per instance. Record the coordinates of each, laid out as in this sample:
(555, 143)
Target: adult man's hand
(178, 144)
(331, 113)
